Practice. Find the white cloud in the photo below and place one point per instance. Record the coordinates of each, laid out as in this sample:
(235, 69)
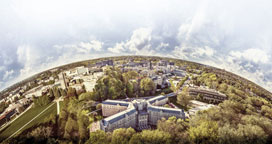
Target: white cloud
(23, 54)
(8, 61)
(29, 58)
(254, 55)
(81, 47)
(138, 43)
(2, 68)
(8, 75)
(162, 46)
(140, 39)
(92, 45)
(189, 52)
(204, 51)
(118, 48)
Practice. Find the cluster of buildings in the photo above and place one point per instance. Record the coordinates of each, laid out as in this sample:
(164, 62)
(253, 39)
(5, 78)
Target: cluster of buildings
(139, 113)
(79, 77)
(160, 72)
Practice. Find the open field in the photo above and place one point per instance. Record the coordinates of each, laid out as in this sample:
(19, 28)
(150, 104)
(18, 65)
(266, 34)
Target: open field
(26, 117)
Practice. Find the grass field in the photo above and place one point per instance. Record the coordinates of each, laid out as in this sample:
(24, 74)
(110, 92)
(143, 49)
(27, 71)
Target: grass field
(26, 117)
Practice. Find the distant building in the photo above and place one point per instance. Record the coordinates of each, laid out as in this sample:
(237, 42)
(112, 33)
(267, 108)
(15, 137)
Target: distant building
(207, 94)
(179, 73)
(77, 71)
(82, 70)
(160, 81)
(163, 63)
(7, 116)
(104, 63)
(25, 101)
(139, 114)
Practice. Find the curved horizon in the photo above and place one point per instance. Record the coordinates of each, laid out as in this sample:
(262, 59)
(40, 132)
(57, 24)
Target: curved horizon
(108, 57)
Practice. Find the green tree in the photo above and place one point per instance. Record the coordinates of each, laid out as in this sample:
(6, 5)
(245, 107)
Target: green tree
(122, 135)
(71, 92)
(98, 137)
(155, 137)
(83, 123)
(63, 92)
(70, 127)
(56, 92)
(136, 139)
(266, 111)
(176, 127)
(184, 98)
(98, 106)
(206, 132)
(148, 86)
(110, 86)
(51, 93)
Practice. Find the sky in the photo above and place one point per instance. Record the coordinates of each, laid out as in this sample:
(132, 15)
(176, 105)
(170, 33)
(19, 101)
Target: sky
(235, 35)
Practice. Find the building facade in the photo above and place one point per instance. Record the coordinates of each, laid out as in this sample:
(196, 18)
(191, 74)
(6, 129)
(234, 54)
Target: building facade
(207, 94)
(139, 114)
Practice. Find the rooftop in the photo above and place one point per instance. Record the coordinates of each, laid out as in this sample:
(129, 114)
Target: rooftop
(152, 100)
(118, 116)
(165, 109)
(116, 102)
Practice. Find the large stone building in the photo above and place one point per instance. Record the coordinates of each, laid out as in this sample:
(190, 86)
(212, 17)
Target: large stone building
(139, 114)
(207, 94)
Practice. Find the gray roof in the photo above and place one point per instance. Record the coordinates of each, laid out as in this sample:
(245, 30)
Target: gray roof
(115, 102)
(152, 100)
(165, 110)
(118, 116)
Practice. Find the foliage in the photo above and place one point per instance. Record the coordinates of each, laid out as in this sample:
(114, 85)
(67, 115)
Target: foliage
(110, 86)
(148, 86)
(98, 137)
(205, 132)
(41, 101)
(71, 92)
(184, 98)
(122, 135)
(176, 128)
(3, 106)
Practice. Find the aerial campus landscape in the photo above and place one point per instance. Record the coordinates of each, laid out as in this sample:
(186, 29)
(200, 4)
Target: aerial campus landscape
(135, 72)
(136, 99)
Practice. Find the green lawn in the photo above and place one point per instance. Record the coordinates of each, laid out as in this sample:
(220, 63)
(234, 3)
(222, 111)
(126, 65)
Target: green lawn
(25, 118)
